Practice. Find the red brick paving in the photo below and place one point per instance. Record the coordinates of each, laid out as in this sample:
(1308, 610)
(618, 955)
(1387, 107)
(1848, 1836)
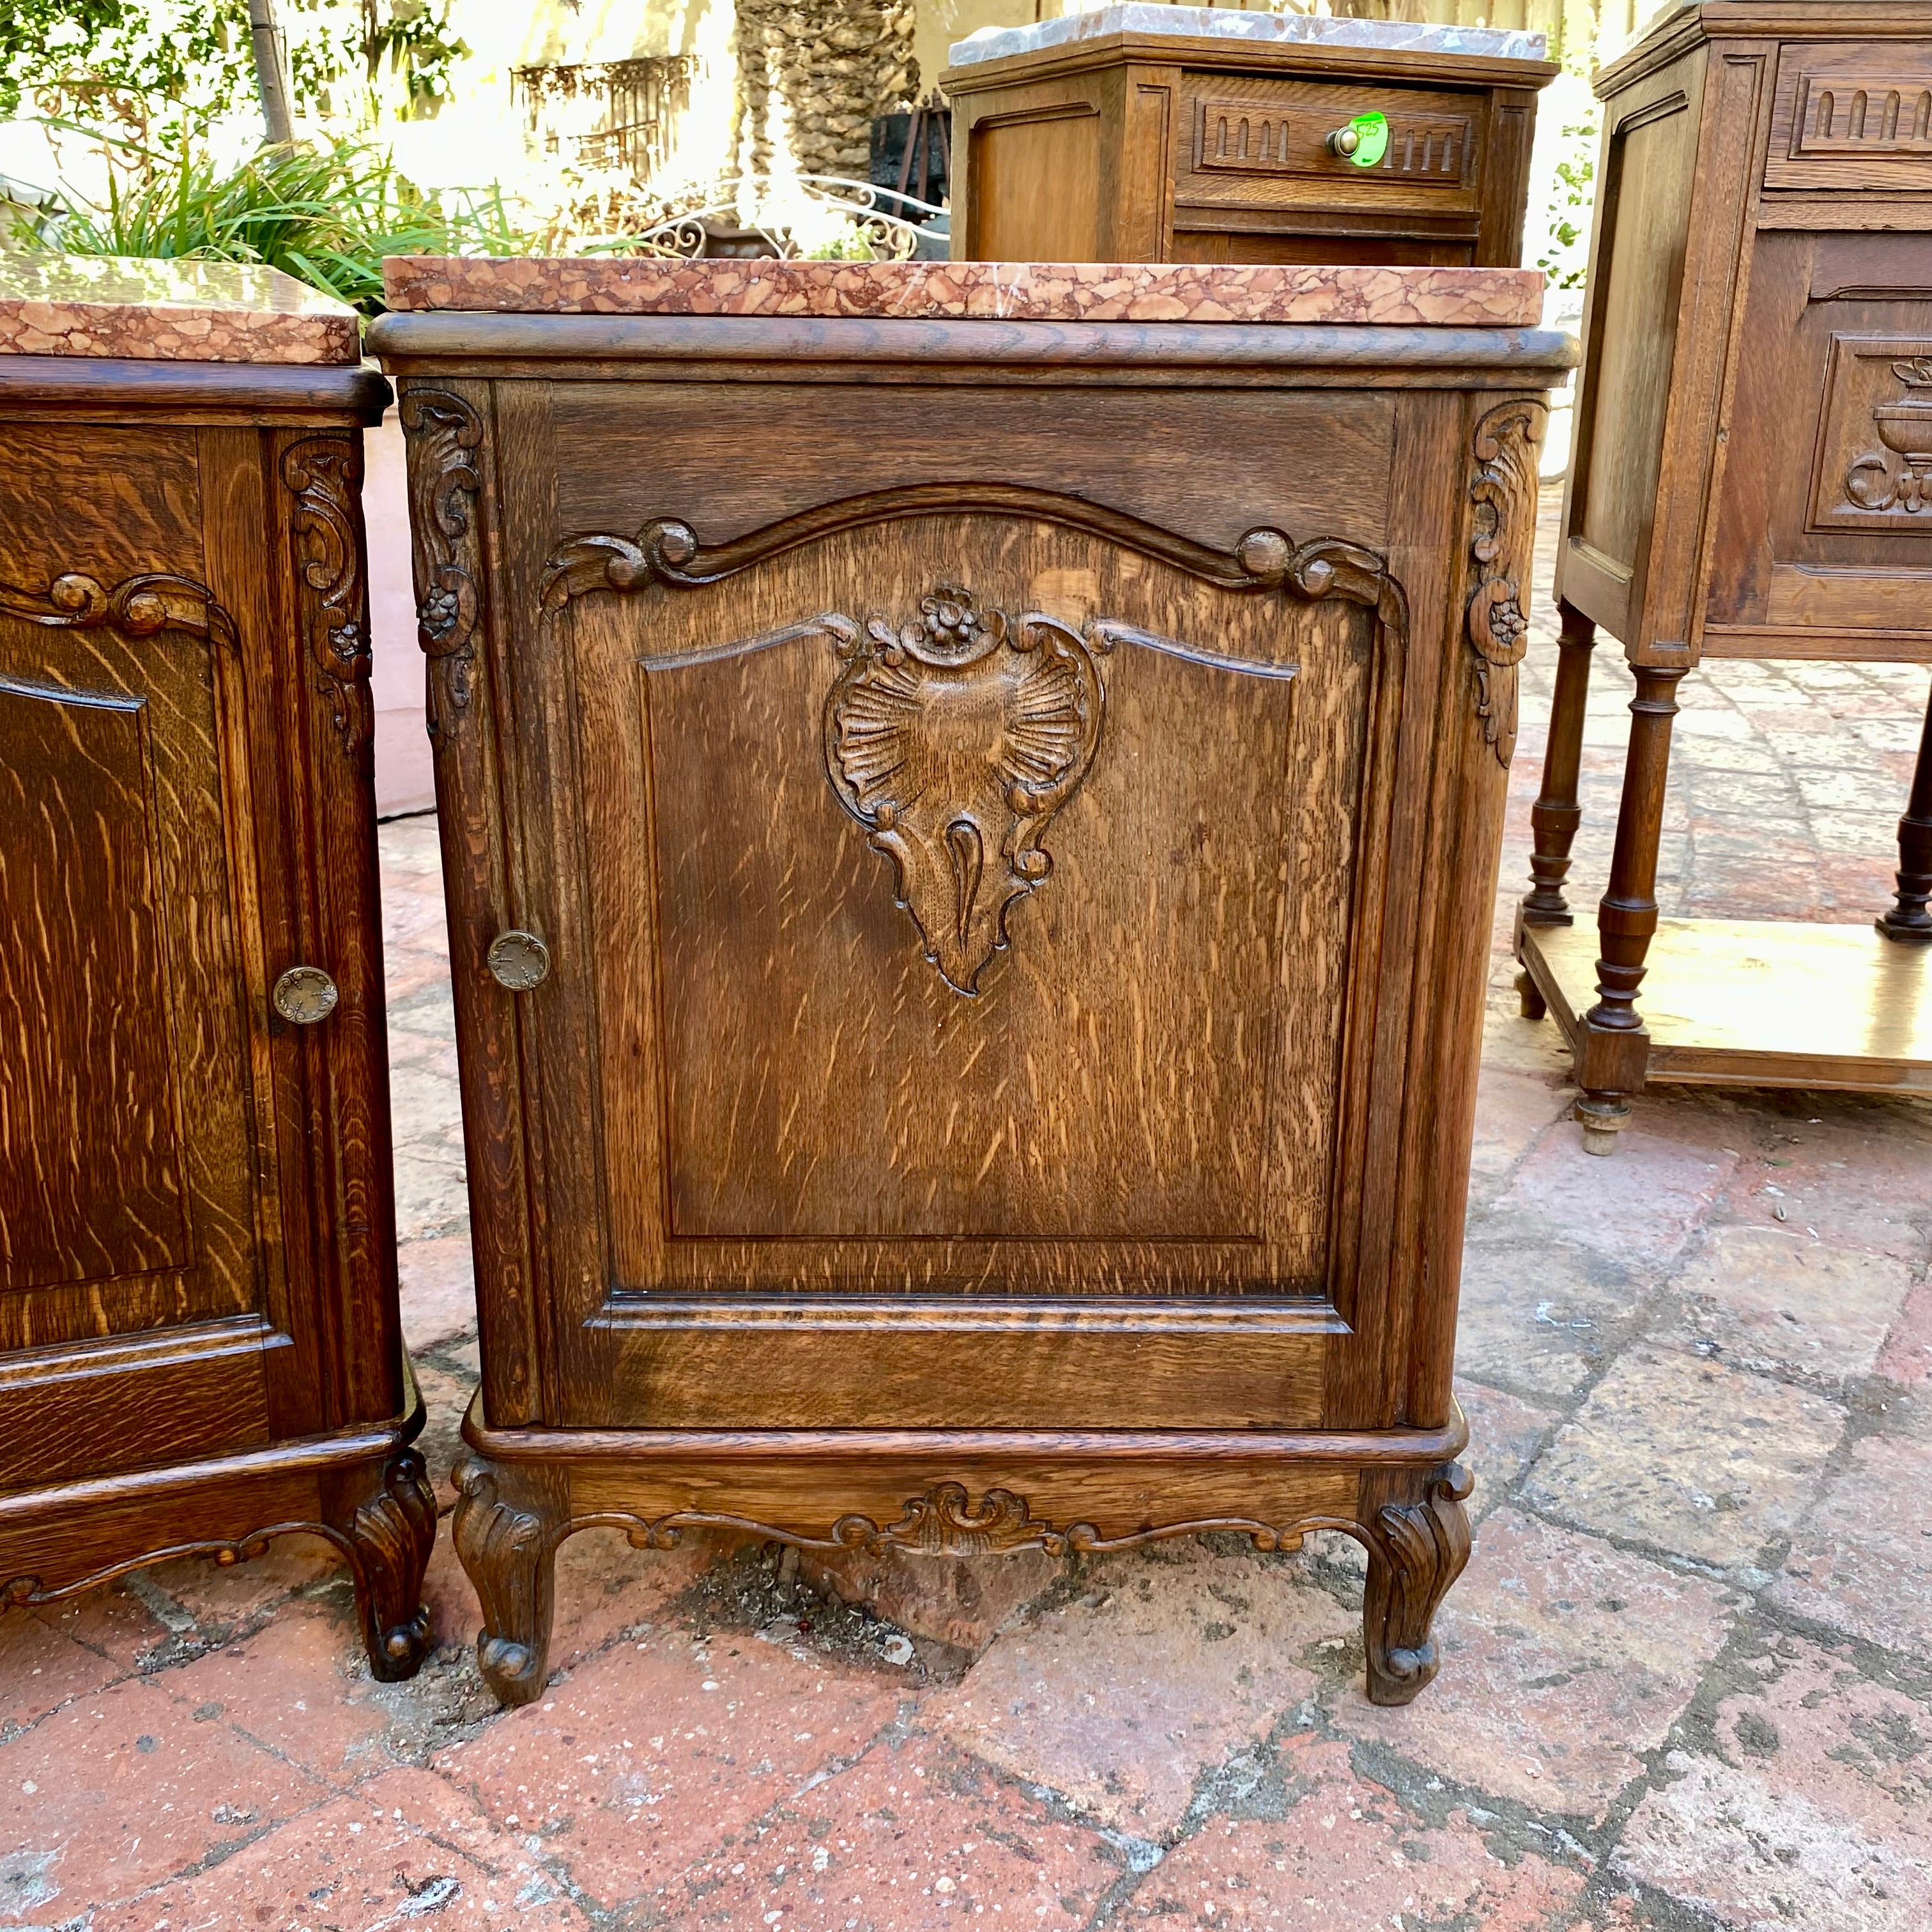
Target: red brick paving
(1347, 1854)
(660, 1751)
(915, 1837)
(1570, 1659)
(1654, 1714)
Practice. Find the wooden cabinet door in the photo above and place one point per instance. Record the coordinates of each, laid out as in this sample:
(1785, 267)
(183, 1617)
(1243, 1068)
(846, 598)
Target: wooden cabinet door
(137, 1221)
(968, 905)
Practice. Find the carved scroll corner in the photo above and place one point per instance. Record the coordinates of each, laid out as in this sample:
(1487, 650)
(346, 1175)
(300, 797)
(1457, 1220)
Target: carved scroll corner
(136, 607)
(1505, 445)
(444, 434)
(325, 474)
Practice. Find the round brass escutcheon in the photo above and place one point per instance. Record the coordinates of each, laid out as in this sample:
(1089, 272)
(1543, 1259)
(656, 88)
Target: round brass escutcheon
(305, 994)
(518, 961)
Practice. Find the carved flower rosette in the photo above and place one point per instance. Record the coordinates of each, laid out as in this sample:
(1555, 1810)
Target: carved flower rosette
(953, 738)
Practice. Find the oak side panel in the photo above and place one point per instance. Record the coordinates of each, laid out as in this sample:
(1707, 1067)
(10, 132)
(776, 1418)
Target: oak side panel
(315, 480)
(1036, 177)
(1505, 180)
(1631, 330)
(1387, 1247)
(448, 422)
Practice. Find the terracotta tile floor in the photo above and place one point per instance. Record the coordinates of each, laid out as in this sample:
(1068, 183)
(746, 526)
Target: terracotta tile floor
(1689, 1680)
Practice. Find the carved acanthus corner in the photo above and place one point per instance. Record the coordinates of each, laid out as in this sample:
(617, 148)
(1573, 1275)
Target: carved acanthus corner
(137, 607)
(1503, 489)
(444, 434)
(325, 474)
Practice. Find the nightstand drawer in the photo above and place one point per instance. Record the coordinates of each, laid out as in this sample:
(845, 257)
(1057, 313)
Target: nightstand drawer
(1852, 114)
(1246, 143)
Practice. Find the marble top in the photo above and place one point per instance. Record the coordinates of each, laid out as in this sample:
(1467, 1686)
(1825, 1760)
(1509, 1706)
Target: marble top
(1232, 24)
(993, 291)
(168, 311)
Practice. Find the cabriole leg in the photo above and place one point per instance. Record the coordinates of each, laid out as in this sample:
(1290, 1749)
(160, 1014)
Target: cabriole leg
(389, 1535)
(509, 1519)
(1909, 921)
(1417, 1543)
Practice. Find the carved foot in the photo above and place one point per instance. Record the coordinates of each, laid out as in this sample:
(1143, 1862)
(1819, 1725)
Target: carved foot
(1416, 1550)
(1602, 1117)
(508, 1524)
(389, 1536)
(1534, 1006)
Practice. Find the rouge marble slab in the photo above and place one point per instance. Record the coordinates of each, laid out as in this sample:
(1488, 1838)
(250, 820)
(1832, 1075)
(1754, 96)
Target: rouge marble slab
(1225, 23)
(166, 311)
(998, 291)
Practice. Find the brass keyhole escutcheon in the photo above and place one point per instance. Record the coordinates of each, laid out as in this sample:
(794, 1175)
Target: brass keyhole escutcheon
(518, 961)
(305, 994)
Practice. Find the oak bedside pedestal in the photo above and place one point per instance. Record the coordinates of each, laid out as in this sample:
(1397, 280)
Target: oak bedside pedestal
(199, 1349)
(1753, 478)
(1158, 134)
(970, 844)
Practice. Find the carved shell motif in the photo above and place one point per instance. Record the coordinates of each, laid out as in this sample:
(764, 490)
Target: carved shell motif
(953, 740)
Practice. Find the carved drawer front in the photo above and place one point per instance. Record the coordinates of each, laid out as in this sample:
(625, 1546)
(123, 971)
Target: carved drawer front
(1852, 114)
(1252, 142)
(127, 1157)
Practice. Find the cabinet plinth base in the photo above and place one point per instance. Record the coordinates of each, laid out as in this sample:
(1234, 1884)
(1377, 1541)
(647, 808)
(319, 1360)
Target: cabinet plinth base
(1398, 1492)
(365, 1490)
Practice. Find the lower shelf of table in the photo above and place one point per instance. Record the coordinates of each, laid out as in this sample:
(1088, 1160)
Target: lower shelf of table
(1755, 1002)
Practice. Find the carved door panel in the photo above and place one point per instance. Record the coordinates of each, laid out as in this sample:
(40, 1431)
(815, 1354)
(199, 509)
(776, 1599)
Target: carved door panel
(1825, 522)
(128, 1164)
(969, 927)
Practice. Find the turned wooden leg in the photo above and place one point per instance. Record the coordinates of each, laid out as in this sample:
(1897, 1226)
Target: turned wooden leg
(509, 1520)
(1556, 814)
(1417, 1543)
(389, 1535)
(1909, 921)
(1532, 1005)
(1627, 917)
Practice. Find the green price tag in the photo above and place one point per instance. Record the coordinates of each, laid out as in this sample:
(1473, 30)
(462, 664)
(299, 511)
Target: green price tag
(1371, 140)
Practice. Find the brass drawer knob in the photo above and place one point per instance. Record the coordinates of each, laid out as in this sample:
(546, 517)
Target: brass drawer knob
(1364, 141)
(518, 961)
(305, 994)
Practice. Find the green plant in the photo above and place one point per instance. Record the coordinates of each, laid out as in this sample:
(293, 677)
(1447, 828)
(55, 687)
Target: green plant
(326, 212)
(165, 70)
(1565, 258)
